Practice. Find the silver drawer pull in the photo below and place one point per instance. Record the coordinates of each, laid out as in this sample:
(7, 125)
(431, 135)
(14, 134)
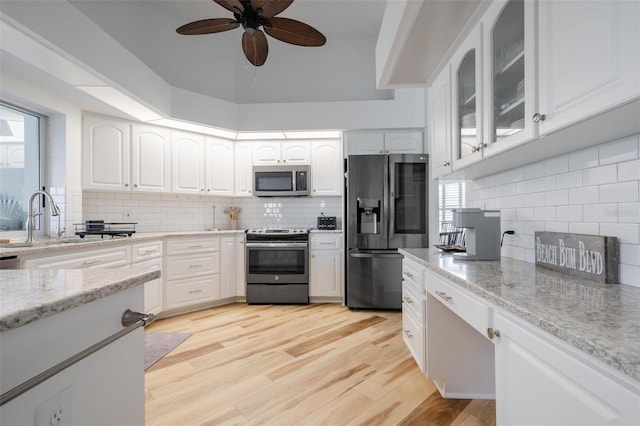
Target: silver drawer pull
(408, 333)
(326, 244)
(195, 291)
(200, 246)
(408, 300)
(409, 274)
(195, 266)
(443, 295)
(150, 251)
(92, 262)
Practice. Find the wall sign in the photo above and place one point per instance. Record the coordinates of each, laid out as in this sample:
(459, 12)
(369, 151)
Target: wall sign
(592, 257)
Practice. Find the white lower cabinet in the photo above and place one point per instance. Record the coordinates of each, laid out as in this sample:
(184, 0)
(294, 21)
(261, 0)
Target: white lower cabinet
(116, 257)
(192, 271)
(541, 380)
(326, 260)
(229, 272)
(241, 280)
(413, 312)
(148, 255)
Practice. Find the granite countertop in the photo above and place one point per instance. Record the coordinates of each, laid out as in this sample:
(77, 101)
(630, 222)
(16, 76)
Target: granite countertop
(31, 295)
(70, 244)
(602, 320)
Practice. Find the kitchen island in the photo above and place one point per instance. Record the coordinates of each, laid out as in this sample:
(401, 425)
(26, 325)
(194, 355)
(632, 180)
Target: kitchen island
(49, 316)
(550, 347)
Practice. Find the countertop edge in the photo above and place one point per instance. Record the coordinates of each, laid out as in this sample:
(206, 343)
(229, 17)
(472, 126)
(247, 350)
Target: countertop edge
(19, 318)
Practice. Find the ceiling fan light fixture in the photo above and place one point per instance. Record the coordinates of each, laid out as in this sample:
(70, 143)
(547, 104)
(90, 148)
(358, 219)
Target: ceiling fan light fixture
(252, 14)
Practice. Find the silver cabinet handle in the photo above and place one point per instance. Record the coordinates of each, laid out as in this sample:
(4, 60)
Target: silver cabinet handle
(150, 251)
(409, 274)
(408, 333)
(408, 300)
(195, 291)
(200, 246)
(91, 262)
(195, 266)
(126, 184)
(443, 295)
(537, 117)
(491, 333)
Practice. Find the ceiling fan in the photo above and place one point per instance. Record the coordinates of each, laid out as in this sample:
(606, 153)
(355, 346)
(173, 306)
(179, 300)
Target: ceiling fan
(253, 14)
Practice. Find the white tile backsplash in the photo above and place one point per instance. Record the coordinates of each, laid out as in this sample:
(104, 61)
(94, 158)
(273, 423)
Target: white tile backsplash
(593, 191)
(178, 212)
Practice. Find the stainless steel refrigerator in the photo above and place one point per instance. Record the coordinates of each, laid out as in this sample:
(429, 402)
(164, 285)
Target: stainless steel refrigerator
(386, 209)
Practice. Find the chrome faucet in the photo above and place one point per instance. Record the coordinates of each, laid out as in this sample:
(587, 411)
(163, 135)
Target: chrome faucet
(31, 223)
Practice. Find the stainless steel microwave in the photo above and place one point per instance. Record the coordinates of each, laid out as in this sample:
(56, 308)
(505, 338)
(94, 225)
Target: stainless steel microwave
(281, 181)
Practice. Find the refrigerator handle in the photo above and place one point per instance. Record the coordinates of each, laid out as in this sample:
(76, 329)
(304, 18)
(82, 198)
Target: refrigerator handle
(392, 198)
(385, 201)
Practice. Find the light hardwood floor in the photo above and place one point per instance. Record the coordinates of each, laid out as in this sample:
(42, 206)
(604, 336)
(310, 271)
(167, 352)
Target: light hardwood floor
(296, 365)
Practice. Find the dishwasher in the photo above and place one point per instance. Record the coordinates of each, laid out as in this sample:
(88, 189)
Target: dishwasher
(9, 262)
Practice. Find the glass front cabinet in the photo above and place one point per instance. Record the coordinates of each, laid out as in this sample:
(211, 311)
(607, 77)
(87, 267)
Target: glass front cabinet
(509, 79)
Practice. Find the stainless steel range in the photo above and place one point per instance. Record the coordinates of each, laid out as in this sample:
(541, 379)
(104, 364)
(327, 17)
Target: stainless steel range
(277, 269)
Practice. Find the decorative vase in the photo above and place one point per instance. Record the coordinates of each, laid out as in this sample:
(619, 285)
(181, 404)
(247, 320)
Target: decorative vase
(234, 224)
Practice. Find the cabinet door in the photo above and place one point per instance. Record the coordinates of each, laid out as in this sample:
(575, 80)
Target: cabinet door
(228, 269)
(241, 281)
(326, 168)
(541, 381)
(243, 169)
(265, 153)
(187, 163)
(298, 152)
(366, 143)
(106, 148)
(219, 166)
(150, 159)
(152, 289)
(466, 96)
(589, 58)
(325, 273)
(441, 124)
(509, 75)
(403, 143)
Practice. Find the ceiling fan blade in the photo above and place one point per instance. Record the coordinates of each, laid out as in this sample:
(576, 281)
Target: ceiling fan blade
(231, 5)
(294, 32)
(255, 47)
(208, 26)
(270, 7)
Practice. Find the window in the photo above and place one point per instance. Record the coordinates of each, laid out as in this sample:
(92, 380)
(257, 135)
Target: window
(20, 137)
(452, 196)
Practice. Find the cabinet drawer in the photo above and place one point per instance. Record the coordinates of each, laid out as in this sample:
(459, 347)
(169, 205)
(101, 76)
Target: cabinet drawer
(186, 292)
(467, 307)
(146, 250)
(412, 276)
(413, 334)
(413, 302)
(108, 258)
(326, 242)
(192, 245)
(193, 266)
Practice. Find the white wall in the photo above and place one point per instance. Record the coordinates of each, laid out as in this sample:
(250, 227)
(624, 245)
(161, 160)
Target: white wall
(179, 212)
(593, 191)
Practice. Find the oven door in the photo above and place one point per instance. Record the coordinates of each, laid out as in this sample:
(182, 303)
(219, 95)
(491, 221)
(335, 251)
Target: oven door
(277, 263)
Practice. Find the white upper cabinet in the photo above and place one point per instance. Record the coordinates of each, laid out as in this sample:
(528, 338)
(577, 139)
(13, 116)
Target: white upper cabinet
(380, 142)
(187, 163)
(467, 95)
(219, 166)
(589, 58)
(509, 74)
(365, 143)
(106, 154)
(243, 168)
(150, 158)
(403, 143)
(441, 124)
(279, 152)
(326, 168)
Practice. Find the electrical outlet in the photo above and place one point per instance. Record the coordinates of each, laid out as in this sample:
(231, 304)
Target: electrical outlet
(57, 410)
(126, 214)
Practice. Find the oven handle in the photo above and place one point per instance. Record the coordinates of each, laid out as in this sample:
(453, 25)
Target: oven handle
(276, 245)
